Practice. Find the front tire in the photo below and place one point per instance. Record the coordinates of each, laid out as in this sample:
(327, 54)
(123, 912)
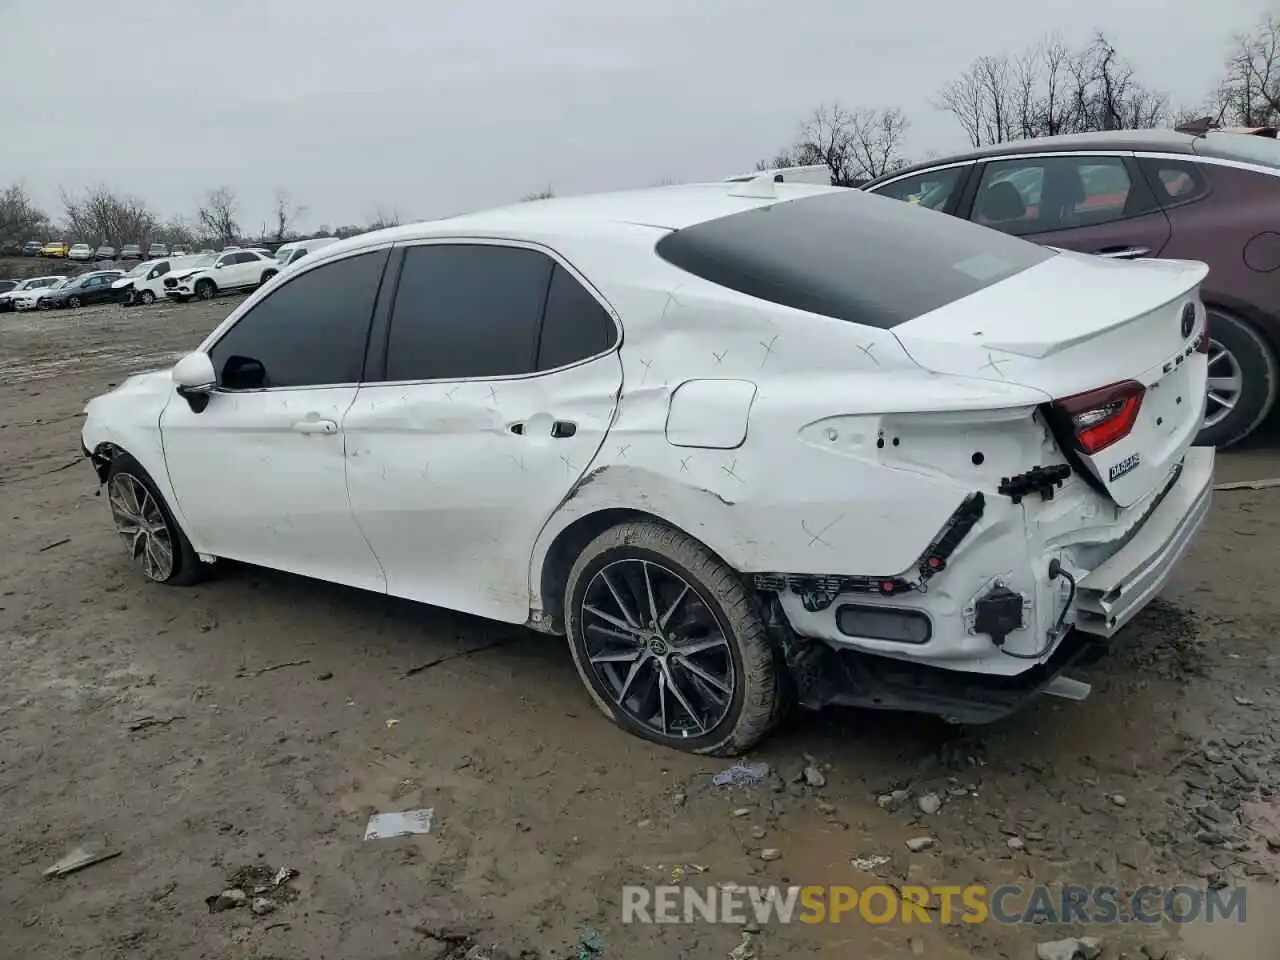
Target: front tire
(1243, 380)
(669, 641)
(146, 298)
(152, 537)
(205, 290)
(74, 303)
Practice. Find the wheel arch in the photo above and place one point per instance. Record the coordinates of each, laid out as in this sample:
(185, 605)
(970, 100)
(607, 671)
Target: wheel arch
(1264, 324)
(570, 530)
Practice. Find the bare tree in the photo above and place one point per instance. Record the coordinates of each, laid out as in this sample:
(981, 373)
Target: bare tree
(101, 216)
(383, 218)
(1248, 93)
(286, 214)
(545, 194)
(177, 232)
(854, 145)
(1048, 90)
(20, 219)
(217, 215)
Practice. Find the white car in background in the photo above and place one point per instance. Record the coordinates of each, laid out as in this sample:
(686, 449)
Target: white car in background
(80, 251)
(846, 448)
(144, 284)
(26, 291)
(36, 298)
(213, 274)
(294, 251)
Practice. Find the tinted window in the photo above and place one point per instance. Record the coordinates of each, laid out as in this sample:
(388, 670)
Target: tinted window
(466, 310)
(850, 255)
(932, 189)
(1175, 181)
(243, 258)
(574, 326)
(312, 330)
(1042, 194)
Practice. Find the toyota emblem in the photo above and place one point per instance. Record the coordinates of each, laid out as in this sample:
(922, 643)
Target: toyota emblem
(1188, 319)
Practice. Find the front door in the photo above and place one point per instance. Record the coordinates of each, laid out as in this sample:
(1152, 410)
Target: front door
(259, 473)
(1097, 204)
(490, 411)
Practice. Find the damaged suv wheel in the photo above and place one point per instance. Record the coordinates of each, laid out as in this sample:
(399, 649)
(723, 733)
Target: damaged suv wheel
(669, 641)
(151, 536)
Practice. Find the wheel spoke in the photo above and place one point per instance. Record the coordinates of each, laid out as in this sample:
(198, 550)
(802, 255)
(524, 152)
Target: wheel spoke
(1222, 400)
(675, 605)
(703, 675)
(681, 699)
(1230, 384)
(648, 589)
(617, 598)
(701, 646)
(631, 676)
(625, 656)
(609, 618)
(662, 700)
(618, 635)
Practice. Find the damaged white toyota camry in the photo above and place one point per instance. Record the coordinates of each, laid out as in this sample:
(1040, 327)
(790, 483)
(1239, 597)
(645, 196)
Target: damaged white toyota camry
(745, 444)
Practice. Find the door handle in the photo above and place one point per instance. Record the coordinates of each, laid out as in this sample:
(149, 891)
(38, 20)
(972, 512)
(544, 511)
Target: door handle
(1123, 253)
(563, 428)
(315, 426)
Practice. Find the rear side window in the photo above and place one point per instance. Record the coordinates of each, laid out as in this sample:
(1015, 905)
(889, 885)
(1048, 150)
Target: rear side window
(1174, 181)
(467, 310)
(574, 326)
(850, 255)
(311, 331)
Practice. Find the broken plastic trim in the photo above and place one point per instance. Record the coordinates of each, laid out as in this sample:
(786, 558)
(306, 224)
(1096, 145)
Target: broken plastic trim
(1041, 480)
(818, 591)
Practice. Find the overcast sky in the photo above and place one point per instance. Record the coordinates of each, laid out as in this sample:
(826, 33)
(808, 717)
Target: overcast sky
(435, 109)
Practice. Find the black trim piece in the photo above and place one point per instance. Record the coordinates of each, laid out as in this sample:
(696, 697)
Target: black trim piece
(375, 352)
(819, 591)
(1041, 480)
(904, 612)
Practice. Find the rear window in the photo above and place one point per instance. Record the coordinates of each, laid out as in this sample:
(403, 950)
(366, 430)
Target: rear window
(1247, 148)
(850, 255)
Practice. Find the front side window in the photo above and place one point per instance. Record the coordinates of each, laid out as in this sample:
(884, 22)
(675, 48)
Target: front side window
(467, 310)
(933, 188)
(1043, 194)
(311, 331)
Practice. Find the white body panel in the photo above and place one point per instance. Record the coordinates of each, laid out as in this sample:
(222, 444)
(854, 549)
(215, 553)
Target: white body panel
(803, 445)
(224, 274)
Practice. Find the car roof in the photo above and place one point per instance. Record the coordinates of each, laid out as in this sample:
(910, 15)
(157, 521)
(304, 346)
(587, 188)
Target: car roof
(623, 214)
(1167, 141)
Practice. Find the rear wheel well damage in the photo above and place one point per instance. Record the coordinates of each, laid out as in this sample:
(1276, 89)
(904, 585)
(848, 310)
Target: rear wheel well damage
(569, 544)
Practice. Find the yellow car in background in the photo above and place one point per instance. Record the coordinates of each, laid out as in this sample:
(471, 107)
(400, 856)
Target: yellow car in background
(53, 250)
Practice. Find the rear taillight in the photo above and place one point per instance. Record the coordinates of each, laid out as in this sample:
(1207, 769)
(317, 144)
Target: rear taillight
(1104, 416)
(1202, 345)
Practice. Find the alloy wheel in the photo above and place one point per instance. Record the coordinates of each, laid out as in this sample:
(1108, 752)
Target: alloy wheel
(142, 525)
(1226, 381)
(657, 649)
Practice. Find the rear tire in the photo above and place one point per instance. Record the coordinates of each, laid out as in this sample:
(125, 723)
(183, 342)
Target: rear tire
(1237, 351)
(206, 290)
(74, 303)
(146, 298)
(741, 672)
(132, 496)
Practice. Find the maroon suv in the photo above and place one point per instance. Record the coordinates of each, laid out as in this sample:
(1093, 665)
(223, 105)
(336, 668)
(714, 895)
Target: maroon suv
(1212, 196)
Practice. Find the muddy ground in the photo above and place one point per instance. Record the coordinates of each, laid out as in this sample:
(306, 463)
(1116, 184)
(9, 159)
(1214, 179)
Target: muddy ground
(145, 719)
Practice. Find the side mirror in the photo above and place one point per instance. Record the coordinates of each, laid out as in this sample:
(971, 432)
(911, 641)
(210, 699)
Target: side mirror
(195, 379)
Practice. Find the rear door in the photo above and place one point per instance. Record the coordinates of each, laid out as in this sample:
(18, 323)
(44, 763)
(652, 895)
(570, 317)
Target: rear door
(1091, 203)
(500, 379)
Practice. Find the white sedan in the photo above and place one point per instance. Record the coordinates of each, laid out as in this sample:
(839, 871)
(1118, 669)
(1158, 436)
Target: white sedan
(743, 443)
(27, 294)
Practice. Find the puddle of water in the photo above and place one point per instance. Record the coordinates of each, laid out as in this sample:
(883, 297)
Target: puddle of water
(1230, 939)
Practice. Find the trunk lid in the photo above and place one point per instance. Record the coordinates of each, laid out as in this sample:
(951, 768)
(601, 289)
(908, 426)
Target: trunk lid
(1113, 346)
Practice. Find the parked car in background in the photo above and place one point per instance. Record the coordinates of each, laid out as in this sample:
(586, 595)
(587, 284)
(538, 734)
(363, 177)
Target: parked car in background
(238, 270)
(297, 249)
(144, 284)
(35, 298)
(7, 285)
(131, 251)
(54, 249)
(10, 248)
(8, 299)
(83, 290)
(1212, 196)
(105, 252)
(156, 251)
(604, 388)
(80, 251)
(178, 252)
(32, 248)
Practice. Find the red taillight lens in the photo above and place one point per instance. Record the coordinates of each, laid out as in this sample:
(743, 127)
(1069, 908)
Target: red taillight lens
(1202, 345)
(1101, 417)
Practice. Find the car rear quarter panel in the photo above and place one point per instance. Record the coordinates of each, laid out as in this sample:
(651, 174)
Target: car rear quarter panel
(1241, 205)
